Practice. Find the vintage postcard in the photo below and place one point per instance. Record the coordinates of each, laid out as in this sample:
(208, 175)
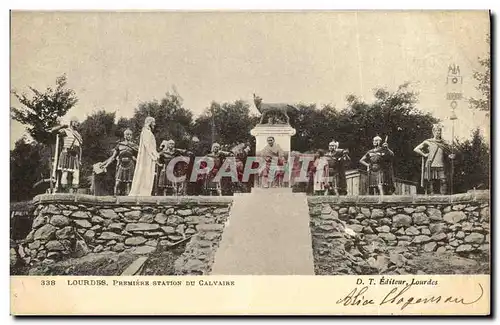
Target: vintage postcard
(250, 163)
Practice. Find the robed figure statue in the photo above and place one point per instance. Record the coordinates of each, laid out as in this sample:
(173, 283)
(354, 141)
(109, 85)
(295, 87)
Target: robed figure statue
(144, 173)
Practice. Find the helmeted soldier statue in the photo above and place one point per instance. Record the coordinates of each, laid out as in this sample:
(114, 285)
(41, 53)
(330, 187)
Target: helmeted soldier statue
(436, 162)
(378, 162)
(337, 159)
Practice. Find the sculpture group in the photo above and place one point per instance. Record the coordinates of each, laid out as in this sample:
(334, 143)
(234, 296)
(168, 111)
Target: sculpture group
(144, 169)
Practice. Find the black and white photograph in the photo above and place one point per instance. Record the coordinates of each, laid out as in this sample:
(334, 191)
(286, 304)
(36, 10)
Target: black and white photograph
(212, 143)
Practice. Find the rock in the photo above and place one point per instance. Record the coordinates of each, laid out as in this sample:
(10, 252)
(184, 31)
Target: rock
(135, 241)
(385, 222)
(59, 220)
(117, 226)
(474, 238)
(467, 226)
(437, 228)
(425, 231)
(52, 209)
(97, 219)
(421, 208)
(401, 220)
(366, 230)
(110, 213)
(98, 249)
(34, 245)
(89, 235)
(221, 210)
(412, 231)
(54, 245)
(485, 214)
(175, 238)
(161, 218)
(420, 218)
(210, 227)
(107, 235)
(147, 218)
(383, 229)
(168, 230)
(439, 237)
(458, 207)
(397, 259)
(434, 214)
(464, 248)
(409, 210)
(441, 249)
(454, 217)
(143, 250)
(420, 239)
(387, 236)
(390, 212)
(64, 233)
(82, 223)
(153, 234)
(80, 215)
(54, 255)
(174, 220)
(185, 212)
(132, 215)
(210, 235)
(141, 227)
(430, 247)
(39, 221)
(30, 236)
(447, 209)
(454, 243)
(460, 235)
(326, 209)
(352, 211)
(96, 228)
(332, 215)
(152, 242)
(343, 211)
(118, 247)
(366, 212)
(46, 232)
(81, 248)
(377, 213)
(403, 243)
(400, 231)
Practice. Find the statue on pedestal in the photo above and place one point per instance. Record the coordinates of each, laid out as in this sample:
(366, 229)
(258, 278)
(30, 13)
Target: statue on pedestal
(436, 162)
(275, 113)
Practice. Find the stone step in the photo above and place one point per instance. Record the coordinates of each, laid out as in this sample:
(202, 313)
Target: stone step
(267, 234)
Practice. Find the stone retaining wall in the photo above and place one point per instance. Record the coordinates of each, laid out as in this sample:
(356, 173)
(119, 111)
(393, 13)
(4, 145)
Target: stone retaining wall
(72, 226)
(370, 235)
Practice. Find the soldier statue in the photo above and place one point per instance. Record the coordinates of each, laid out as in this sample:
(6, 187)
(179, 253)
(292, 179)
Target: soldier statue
(68, 157)
(436, 161)
(337, 159)
(125, 153)
(167, 153)
(378, 162)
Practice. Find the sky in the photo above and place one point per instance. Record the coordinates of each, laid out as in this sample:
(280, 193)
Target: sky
(115, 60)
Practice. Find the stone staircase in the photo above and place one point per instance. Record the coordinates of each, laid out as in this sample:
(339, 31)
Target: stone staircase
(267, 233)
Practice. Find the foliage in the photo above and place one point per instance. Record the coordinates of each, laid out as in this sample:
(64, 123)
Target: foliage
(484, 84)
(27, 166)
(472, 165)
(41, 112)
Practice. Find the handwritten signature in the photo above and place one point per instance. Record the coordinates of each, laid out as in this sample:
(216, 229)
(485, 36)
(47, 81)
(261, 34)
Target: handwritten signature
(401, 296)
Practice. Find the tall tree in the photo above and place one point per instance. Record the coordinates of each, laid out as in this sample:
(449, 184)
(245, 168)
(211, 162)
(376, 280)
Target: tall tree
(42, 110)
(173, 121)
(483, 77)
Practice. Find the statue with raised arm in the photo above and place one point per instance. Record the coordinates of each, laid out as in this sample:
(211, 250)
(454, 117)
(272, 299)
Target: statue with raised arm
(378, 162)
(68, 157)
(124, 153)
(436, 161)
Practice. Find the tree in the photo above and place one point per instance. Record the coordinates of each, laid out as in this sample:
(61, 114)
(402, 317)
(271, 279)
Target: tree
(472, 166)
(42, 111)
(173, 121)
(232, 124)
(99, 136)
(26, 168)
(483, 77)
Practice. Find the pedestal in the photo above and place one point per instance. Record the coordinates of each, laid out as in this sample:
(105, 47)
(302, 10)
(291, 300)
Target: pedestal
(282, 134)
